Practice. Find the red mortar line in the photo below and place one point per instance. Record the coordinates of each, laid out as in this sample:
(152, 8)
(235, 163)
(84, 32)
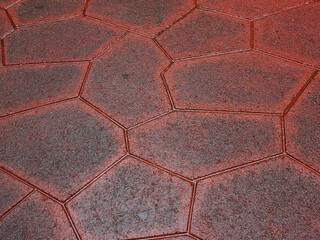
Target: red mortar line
(17, 204)
(47, 62)
(251, 34)
(148, 120)
(283, 134)
(109, 46)
(283, 10)
(126, 140)
(211, 55)
(74, 228)
(84, 79)
(13, 4)
(72, 196)
(85, 8)
(10, 19)
(231, 169)
(285, 58)
(167, 236)
(227, 112)
(167, 86)
(20, 179)
(39, 107)
(176, 21)
(302, 164)
(162, 49)
(285, 112)
(119, 26)
(161, 168)
(223, 13)
(193, 198)
(102, 113)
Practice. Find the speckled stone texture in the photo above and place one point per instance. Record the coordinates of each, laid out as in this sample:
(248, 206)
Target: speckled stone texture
(278, 199)
(132, 200)
(159, 119)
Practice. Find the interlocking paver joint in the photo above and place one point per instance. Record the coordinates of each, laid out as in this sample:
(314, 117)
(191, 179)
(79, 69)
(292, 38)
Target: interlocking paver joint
(148, 119)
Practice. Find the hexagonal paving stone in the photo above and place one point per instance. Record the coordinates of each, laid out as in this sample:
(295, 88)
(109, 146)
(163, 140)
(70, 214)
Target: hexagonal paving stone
(203, 33)
(11, 192)
(36, 218)
(59, 148)
(76, 39)
(247, 81)
(28, 86)
(278, 199)
(294, 34)
(132, 200)
(146, 16)
(5, 25)
(303, 126)
(126, 83)
(196, 144)
(32, 11)
(250, 9)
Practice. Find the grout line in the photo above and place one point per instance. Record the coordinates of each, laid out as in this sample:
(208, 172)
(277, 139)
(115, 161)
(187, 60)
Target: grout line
(175, 22)
(160, 168)
(74, 228)
(285, 58)
(12, 4)
(85, 8)
(38, 107)
(47, 62)
(88, 184)
(283, 134)
(119, 26)
(16, 205)
(227, 112)
(10, 19)
(29, 184)
(194, 236)
(167, 236)
(162, 49)
(192, 202)
(109, 46)
(2, 53)
(101, 112)
(288, 108)
(224, 13)
(126, 139)
(251, 34)
(211, 55)
(149, 120)
(284, 10)
(85, 79)
(169, 95)
(231, 169)
(302, 163)
(62, 19)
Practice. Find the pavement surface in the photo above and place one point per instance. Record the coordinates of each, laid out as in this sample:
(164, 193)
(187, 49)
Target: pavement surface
(159, 119)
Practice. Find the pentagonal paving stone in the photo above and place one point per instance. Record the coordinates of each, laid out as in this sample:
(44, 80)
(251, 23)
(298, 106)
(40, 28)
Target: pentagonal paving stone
(32, 11)
(246, 81)
(294, 34)
(36, 218)
(132, 200)
(250, 9)
(76, 39)
(303, 126)
(126, 83)
(196, 144)
(28, 86)
(5, 25)
(278, 199)
(59, 148)
(11, 192)
(147, 16)
(203, 33)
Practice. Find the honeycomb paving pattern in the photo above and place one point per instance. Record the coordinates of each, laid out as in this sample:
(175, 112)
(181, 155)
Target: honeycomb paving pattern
(232, 204)
(158, 119)
(34, 11)
(126, 83)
